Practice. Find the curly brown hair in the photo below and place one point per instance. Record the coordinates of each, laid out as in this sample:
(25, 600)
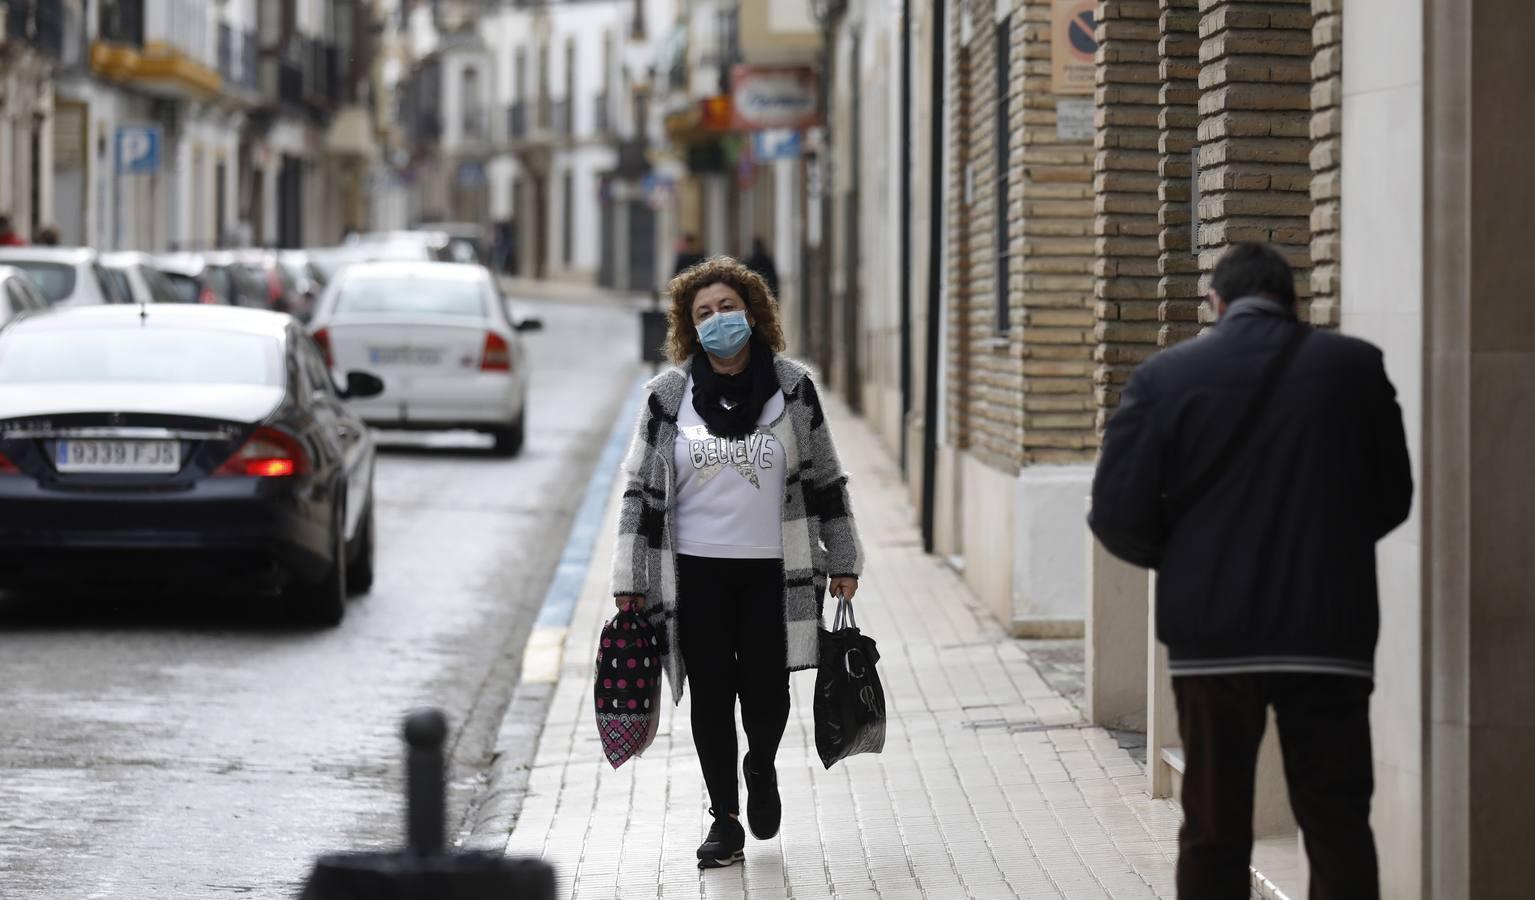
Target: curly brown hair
(682, 338)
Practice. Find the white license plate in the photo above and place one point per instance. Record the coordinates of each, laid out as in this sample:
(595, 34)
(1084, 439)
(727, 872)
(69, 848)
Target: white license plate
(404, 356)
(99, 455)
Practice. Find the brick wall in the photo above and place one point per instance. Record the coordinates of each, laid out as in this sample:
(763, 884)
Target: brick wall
(1051, 228)
(986, 364)
(1125, 184)
(1326, 159)
(1254, 130)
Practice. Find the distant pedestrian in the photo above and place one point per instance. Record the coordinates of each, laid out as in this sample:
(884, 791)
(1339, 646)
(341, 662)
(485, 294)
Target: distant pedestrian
(1255, 468)
(8, 235)
(734, 523)
(761, 262)
(48, 236)
(688, 254)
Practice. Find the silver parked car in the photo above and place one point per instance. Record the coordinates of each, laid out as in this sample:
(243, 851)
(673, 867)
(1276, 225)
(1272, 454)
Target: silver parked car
(140, 276)
(442, 338)
(18, 294)
(66, 276)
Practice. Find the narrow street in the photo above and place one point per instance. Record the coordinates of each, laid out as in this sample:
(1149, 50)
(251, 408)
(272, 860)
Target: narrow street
(196, 748)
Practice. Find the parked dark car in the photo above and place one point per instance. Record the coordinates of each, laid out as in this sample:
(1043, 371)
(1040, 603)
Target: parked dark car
(282, 291)
(246, 285)
(200, 278)
(205, 442)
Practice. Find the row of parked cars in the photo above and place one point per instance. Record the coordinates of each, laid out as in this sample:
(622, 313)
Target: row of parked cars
(191, 437)
(287, 281)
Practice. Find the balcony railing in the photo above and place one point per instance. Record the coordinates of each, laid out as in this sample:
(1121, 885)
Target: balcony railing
(517, 121)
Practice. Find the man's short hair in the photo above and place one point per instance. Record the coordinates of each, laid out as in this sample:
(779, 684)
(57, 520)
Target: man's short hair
(1251, 268)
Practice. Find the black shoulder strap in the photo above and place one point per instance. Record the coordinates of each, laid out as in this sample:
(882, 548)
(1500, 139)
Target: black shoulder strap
(1184, 500)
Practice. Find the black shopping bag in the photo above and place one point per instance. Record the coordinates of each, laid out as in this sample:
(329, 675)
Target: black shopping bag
(849, 700)
(628, 686)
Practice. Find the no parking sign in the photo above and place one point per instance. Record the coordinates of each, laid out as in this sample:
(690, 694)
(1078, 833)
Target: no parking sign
(1073, 46)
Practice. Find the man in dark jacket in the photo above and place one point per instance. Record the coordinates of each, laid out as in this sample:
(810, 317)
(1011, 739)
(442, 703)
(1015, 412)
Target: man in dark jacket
(688, 254)
(1255, 468)
(761, 262)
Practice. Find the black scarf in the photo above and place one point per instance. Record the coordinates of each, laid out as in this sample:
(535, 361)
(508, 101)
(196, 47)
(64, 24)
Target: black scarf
(747, 392)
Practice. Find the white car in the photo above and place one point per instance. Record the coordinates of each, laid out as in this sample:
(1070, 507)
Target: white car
(140, 276)
(18, 294)
(441, 337)
(66, 276)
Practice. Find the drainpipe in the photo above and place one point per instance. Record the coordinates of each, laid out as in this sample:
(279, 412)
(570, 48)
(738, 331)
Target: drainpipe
(905, 208)
(936, 220)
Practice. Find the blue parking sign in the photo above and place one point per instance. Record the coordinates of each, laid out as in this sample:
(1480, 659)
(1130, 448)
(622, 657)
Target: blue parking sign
(138, 149)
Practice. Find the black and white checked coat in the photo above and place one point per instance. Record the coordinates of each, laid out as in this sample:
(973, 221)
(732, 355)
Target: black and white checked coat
(819, 538)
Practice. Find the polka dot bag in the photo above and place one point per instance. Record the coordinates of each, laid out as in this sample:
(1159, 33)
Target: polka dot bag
(627, 692)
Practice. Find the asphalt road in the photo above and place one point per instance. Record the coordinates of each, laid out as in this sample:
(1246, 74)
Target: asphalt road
(194, 747)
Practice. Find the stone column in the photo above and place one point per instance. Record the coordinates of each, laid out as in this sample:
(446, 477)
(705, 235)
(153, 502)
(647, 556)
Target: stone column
(1053, 229)
(1177, 123)
(1125, 185)
(1126, 233)
(1255, 130)
(1326, 160)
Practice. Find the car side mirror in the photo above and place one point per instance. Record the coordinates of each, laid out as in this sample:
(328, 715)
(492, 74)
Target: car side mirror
(362, 384)
(530, 325)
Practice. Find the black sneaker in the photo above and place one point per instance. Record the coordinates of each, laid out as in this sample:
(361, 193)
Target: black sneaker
(725, 845)
(764, 809)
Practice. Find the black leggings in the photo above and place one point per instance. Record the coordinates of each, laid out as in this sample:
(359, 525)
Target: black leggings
(731, 619)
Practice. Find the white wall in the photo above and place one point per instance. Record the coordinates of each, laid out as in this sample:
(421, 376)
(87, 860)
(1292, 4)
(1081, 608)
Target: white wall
(1382, 301)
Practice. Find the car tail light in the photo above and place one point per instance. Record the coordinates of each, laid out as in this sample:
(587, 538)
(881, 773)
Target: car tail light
(273, 288)
(207, 296)
(7, 467)
(497, 355)
(267, 453)
(322, 339)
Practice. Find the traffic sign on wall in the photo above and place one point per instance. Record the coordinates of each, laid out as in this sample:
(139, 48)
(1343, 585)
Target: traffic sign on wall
(1073, 46)
(139, 149)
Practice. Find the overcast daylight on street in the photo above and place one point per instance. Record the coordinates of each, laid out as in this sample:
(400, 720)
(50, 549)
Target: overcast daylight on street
(766, 449)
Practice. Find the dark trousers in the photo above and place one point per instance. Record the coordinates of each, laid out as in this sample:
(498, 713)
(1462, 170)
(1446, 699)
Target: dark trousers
(1324, 733)
(731, 622)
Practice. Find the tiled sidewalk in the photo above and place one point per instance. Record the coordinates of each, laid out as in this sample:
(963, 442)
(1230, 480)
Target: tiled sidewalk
(990, 785)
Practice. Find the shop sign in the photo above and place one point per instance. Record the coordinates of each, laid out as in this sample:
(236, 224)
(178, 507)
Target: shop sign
(1073, 46)
(766, 97)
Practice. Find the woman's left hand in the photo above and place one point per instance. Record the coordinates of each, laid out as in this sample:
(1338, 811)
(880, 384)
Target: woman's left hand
(844, 586)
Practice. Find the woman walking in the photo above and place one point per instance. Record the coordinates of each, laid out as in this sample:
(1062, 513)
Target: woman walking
(734, 523)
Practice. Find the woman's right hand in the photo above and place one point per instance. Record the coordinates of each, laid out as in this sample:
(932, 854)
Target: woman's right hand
(633, 601)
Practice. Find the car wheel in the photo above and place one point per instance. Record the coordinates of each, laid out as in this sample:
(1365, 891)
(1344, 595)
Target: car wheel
(509, 437)
(359, 573)
(324, 603)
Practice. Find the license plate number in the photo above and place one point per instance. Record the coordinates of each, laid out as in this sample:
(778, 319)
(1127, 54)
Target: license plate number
(404, 356)
(96, 455)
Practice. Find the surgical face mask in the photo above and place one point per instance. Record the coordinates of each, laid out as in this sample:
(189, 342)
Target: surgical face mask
(724, 334)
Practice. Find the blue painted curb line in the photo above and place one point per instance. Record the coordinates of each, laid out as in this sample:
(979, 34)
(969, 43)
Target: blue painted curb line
(565, 588)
